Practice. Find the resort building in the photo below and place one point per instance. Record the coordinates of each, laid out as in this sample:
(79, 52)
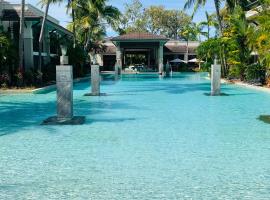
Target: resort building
(54, 34)
(151, 51)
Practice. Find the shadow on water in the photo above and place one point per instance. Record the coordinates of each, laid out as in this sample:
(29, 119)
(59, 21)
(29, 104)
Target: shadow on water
(179, 88)
(171, 88)
(24, 115)
(16, 117)
(116, 120)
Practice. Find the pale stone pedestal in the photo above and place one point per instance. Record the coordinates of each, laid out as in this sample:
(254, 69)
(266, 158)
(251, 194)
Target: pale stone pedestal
(215, 79)
(95, 82)
(167, 70)
(117, 72)
(64, 84)
(64, 60)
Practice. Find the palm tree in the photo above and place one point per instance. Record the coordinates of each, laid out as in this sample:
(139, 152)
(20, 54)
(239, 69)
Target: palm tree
(210, 22)
(230, 4)
(92, 16)
(189, 32)
(259, 35)
(21, 38)
(217, 3)
(72, 5)
(41, 35)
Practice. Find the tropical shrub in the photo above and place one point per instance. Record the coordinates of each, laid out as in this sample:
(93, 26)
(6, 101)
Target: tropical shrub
(77, 58)
(256, 73)
(209, 49)
(259, 36)
(8, 59)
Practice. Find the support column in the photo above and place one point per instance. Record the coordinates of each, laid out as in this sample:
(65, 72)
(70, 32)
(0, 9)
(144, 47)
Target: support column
(160, 58)
(215, 79)
(46, 46)
(186, 57)
(149, 58)
(124, 57)
(187, 52)
(28, 46)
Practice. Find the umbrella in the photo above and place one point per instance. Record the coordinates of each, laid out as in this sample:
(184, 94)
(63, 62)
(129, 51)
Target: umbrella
(195, 60)
(177, 60)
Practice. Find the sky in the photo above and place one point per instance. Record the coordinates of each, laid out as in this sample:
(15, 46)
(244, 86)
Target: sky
(58, 11)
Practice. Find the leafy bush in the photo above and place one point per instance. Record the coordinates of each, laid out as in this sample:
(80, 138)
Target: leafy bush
(255, 72)
(77, 58)
(234, 72)
(206, 67)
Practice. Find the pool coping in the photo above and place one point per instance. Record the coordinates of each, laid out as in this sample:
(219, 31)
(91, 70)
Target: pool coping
(244, 85)
(53, 87)
(247, 85)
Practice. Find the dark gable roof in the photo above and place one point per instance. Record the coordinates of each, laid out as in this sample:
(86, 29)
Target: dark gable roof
(12, 14)
(139, 36)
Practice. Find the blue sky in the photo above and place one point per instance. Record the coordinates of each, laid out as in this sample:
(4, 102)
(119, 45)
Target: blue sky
(58, 11)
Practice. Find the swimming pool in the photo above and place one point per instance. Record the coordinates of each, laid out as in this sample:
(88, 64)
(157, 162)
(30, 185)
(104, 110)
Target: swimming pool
(150, 138)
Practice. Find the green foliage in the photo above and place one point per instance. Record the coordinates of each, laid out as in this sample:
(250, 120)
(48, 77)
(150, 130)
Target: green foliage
(155, 19)
(255, 72)
(5, 49)
(236, 40)
(8, 59)
(259, 36)
(90, 20)
(206, 67)
(208, 49)
(77, 58)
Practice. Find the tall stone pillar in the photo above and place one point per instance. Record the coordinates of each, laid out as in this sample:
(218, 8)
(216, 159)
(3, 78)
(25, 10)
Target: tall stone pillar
(160, 58)
(28, 46)
(95, 80)
(215, 79)
(118, 56)
(64, 83)
(117, 71)
(64, 89)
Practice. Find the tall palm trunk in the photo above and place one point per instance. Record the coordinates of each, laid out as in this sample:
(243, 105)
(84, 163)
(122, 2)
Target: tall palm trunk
(41, 36)
(218, 17)
(208, 30)
(73, 26)
(208, 24)
(222, 50)
(21, 36)
(187, 50)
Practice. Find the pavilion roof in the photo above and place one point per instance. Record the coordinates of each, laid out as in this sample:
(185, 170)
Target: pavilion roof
(140, 36)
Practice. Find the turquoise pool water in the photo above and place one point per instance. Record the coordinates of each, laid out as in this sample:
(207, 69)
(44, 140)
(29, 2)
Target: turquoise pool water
(150, 138)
